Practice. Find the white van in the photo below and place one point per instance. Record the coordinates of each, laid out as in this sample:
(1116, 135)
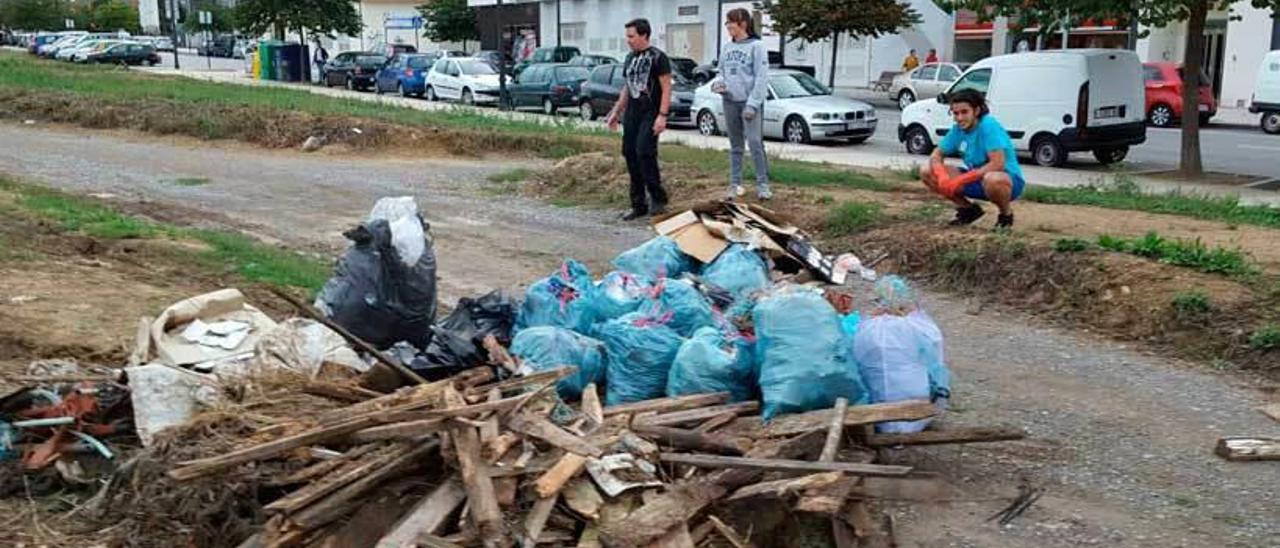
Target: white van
(1052, 103)
(1266, 93)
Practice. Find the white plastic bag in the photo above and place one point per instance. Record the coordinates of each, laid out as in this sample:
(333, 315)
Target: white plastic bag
(407, 234)
(900, 358)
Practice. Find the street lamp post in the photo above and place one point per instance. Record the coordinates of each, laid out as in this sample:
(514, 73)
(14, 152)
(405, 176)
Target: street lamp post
(173, 16)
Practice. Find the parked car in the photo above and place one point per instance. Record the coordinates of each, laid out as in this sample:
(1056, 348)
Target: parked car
(798, 109)
(40, 41)
(1266, 93)
(494, 57)
(684, 66)
(354, 69)
(551, 85)
(51, 49)
(1052, 103)
(592, 61)
(600, 91)
(400, 49)
(219, 46)
(128, 53)
(83, 51)
(468, 80)
(404, 74)
(163, 43)
(1164, 94)
(562, 54)
(925, 81)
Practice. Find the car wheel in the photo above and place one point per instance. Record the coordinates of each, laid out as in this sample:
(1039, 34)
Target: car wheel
(707, 123)
(431, 94)
(1161, 115)
(1271, 122)
(1047, 151)
(796, 130)
(586, 111)
(467, 97)
(1110, 155)
(400, 89)
(905, 98)
(548, 107)
(917, 140)
(1204, 119)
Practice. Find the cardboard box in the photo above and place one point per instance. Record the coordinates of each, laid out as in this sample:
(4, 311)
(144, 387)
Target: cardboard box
(694, 239)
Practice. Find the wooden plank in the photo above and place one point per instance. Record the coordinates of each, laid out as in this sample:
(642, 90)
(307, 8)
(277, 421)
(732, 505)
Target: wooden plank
(336, 505)
(835, 432)
(498, 355)
(429, 516)
(201, 467)
(717, 461)
(668, 404)
(582, 497)
(481, 499)
(935, 437)
(786, 487)
(536, 379)
(311, 312)
(715, 422)
(820, 420)
(698, 415)
(701, 532)
(1248, 448)
(728, 533)
(324, 486)
(428, 394)
(407, 430)
(694, 441)
(554, 480)
(536, 520)
(543, 429)
(591, 407)
(340, 392)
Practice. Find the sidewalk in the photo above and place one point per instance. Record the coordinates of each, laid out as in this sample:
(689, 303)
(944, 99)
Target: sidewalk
(861, 156)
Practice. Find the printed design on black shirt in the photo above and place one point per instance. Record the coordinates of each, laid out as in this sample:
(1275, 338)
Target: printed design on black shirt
(637, 73)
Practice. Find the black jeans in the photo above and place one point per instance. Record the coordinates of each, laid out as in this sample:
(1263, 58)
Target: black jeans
(640, 148)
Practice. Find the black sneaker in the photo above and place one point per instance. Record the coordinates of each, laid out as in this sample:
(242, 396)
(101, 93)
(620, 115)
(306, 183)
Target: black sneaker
(1004, 221)
(635, 214)
(967, 215)
(658, 209)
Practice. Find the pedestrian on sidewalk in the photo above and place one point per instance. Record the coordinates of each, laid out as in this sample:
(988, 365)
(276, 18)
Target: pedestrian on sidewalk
(990, 171)
(643, 106)
(321, 58)
(743, 83)
(911, 61)
(932, 57)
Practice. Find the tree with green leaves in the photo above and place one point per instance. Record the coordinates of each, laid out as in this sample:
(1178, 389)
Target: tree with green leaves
(34, 14)
(224, 18)
(816, 20)
(308, 17)
(449, 21)
(1151, 13)
(113, 15)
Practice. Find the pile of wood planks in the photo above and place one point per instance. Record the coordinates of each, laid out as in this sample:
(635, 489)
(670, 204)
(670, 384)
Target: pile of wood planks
(508, 463)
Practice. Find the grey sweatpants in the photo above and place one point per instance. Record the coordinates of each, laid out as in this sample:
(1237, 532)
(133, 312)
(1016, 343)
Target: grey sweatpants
(752, 132)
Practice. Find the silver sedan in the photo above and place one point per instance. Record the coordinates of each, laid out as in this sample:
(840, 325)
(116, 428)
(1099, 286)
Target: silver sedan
(798, 109)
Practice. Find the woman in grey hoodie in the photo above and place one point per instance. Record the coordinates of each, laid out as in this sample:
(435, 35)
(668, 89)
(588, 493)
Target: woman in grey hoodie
(743, 83)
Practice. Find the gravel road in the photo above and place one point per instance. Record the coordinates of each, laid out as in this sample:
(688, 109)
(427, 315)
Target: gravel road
(1120, 441)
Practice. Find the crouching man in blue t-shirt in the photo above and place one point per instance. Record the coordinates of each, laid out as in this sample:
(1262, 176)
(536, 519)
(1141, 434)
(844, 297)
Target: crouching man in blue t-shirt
(990, 169)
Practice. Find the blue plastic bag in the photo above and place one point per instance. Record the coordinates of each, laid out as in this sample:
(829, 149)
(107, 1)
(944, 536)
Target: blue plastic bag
(617, 294)
(688, 308)
(803, 355)
(639, 352)
(900, 358)
(655, 259)
(558, 300)
(739, 270)
(547, 347)
(710, 362)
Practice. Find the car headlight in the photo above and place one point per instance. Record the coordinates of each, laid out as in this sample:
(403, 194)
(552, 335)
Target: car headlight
(871, 115)
(822, 116)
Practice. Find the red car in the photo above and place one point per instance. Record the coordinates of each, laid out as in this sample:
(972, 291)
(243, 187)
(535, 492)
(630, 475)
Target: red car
(1164, 95)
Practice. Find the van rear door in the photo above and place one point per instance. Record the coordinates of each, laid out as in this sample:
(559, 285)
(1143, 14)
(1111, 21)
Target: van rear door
(1116, 93)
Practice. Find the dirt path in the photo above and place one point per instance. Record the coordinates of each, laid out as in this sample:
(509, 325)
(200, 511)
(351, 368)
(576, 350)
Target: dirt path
(1120, 441)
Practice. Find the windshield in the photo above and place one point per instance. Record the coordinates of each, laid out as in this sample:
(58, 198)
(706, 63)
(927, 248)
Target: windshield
(789, 86)
(477, 68)
(370, 60)
(573, 73)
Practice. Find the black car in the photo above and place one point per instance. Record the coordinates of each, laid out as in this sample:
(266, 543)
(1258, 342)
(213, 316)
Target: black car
(684, 66)
(221, 46)
(600, 92)
(550, 85)
(562, 54)
(354, 69)
(126, 54)
(494, 57)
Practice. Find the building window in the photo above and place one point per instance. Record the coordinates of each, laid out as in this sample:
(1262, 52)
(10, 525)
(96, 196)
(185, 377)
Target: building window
(573, 34)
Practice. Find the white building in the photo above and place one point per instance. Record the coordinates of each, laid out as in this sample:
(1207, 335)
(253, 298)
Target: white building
(1236, 41)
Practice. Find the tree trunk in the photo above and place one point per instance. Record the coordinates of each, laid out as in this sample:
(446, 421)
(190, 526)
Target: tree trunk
(1189, 164)
(835, 50)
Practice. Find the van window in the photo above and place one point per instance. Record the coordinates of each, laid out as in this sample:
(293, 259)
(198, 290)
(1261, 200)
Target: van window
(976, 79)
(1152, 74)
(927, 72)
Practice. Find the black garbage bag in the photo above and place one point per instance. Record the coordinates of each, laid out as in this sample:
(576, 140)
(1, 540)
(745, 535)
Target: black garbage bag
(457, 341)
(376, 296)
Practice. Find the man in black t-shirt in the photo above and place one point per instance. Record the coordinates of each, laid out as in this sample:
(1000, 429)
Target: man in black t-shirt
(643, 105)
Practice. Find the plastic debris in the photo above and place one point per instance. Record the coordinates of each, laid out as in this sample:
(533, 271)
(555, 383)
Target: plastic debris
(655, 259)
(559, 299)
(712, 362)
(739, 270)
(548, 347)
(640, 350)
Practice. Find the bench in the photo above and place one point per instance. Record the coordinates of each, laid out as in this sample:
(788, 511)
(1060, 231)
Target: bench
(886, 80)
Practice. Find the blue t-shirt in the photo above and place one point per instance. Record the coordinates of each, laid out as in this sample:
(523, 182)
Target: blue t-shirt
(987, 136)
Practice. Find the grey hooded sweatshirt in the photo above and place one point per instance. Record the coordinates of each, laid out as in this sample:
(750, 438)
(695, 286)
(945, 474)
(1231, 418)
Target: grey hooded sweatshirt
(744, 69)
